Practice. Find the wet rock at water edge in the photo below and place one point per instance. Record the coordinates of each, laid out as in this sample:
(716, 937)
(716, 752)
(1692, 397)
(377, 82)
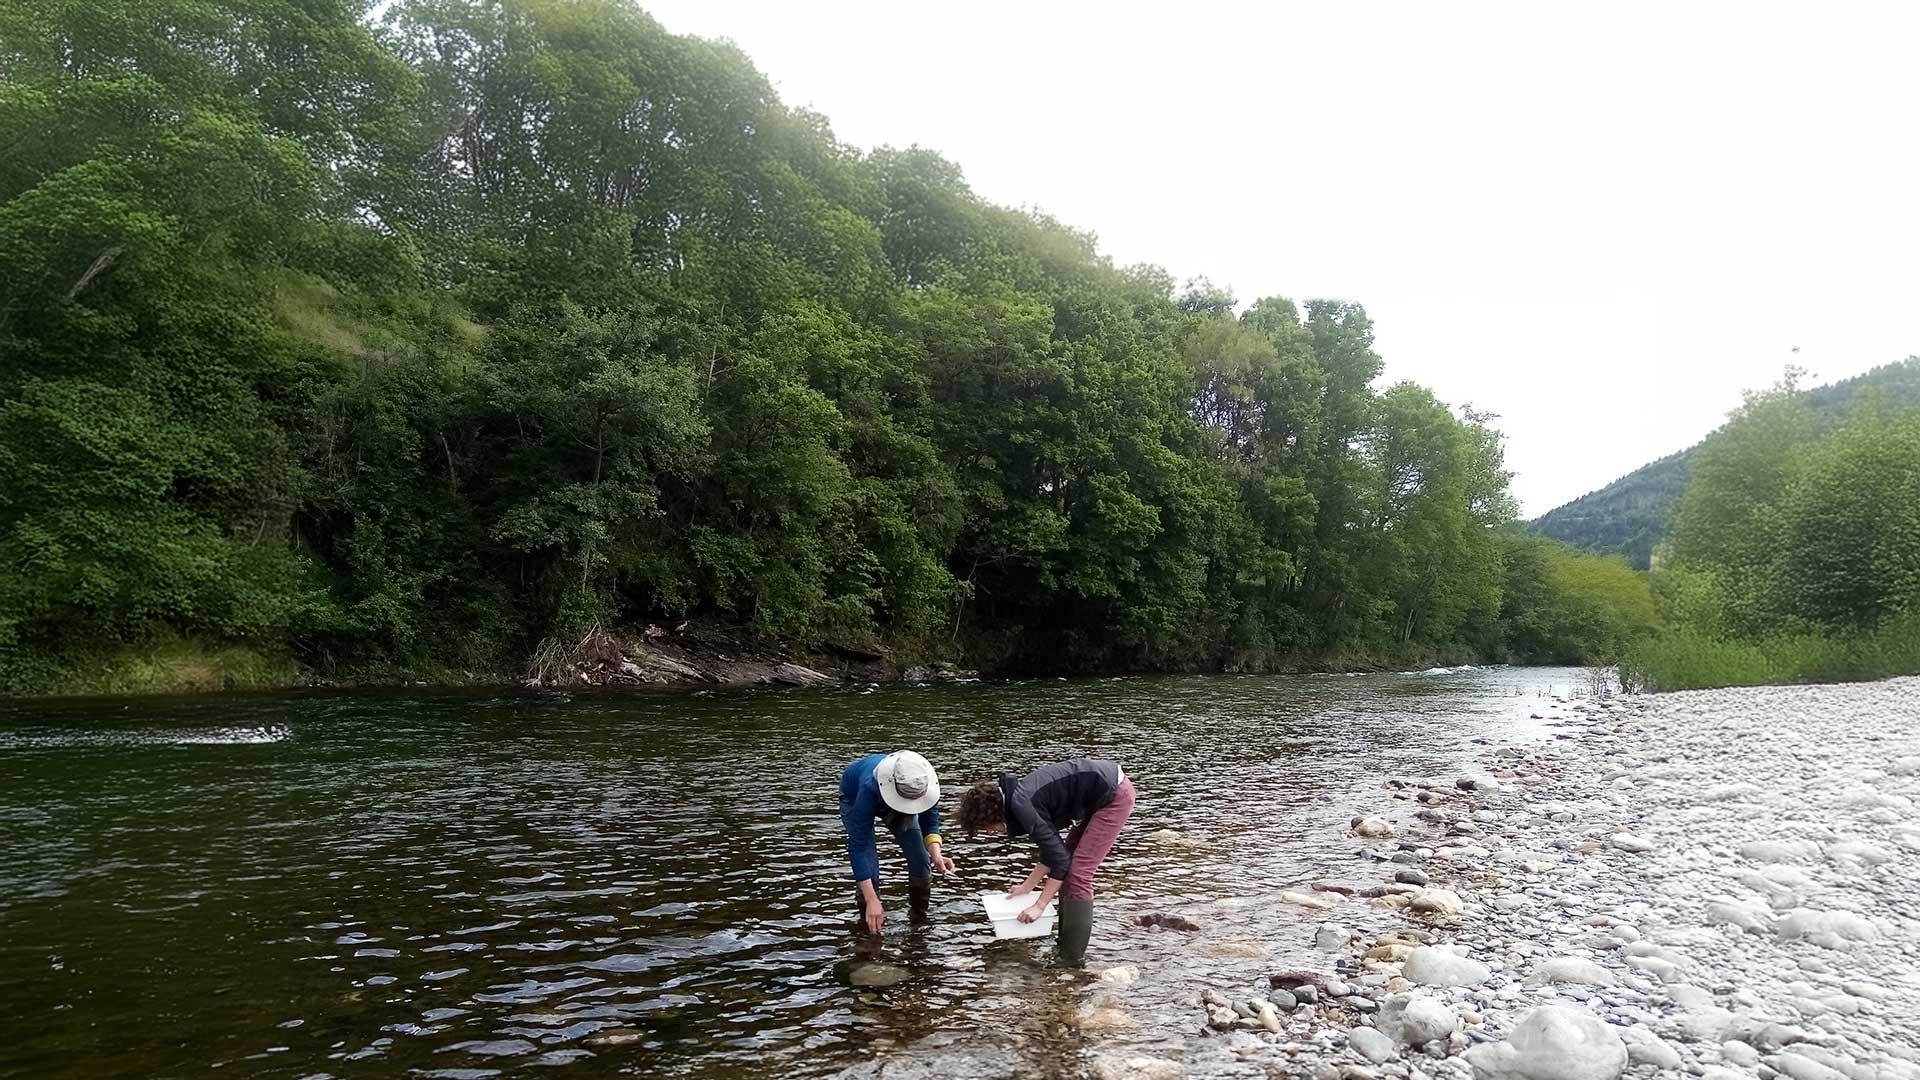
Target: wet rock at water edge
(1372, 827)
(1553, 1042)
(1410, 877)
(1157, 920)
(1332, 937)
(1138, 1068)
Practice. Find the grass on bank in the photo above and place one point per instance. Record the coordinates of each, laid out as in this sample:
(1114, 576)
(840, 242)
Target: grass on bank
(166, 664)
(1691, 660)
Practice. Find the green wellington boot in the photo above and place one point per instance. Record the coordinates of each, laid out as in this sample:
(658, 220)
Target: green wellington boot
(1076, 926)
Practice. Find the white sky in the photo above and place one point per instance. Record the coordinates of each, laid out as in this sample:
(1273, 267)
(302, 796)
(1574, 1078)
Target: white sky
(1599, 222)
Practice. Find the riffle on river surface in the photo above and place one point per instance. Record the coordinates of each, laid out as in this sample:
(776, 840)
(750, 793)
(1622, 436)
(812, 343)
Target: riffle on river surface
(385, 884)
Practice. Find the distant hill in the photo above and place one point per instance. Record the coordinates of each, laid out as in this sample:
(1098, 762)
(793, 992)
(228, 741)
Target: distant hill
(1631, 515)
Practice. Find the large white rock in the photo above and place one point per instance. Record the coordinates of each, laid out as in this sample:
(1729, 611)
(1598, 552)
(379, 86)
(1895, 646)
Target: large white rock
(1415, 1019)
(1434, 966)
(1553, 1042)
(1630, 842)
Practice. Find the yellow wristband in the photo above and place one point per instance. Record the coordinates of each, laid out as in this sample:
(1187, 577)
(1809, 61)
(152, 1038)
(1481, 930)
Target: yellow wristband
(933, 840)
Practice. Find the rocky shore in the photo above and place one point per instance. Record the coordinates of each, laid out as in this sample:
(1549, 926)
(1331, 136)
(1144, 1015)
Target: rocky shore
(1720, 884)
(692, 656)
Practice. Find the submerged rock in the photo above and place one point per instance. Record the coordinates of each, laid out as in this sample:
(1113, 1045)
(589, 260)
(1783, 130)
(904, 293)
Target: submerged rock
(874, 974)
(1553, 1042)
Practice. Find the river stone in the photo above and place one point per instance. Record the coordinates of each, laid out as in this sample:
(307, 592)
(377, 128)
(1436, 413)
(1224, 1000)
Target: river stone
(876, 974)
(1138, 1068)
(1631, 843)
(941, 1062)
(1415, 1019)
(1410, 877)
(1331, 937)
(1372, 827)
(1372, 1045)
(1802, 1068)
(1573, 969)
(1646, 1048)
(1730, 912)
(1827, 929)
(1437, 902)
(1553, 1042)
(1435, 966)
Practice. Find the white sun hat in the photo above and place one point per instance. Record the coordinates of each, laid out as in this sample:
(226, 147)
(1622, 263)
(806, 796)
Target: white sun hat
(907, 782)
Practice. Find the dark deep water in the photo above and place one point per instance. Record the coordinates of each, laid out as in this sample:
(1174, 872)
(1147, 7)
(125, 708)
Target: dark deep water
(386, 884)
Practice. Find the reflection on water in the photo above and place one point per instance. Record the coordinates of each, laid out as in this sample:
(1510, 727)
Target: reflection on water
(463, 886)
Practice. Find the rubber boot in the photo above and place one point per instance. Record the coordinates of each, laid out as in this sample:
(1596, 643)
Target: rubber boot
(919, 892)
(1076, 926)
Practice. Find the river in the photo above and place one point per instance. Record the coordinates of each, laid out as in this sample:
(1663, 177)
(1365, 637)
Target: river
(466, 886)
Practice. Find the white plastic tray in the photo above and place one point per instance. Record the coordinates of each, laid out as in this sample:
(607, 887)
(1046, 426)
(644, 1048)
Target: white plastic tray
(1004, 912)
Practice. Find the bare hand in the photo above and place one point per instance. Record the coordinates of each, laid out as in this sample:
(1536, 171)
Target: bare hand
(1033, 912)
(942, 863)
(1020, 889)
(875, 917)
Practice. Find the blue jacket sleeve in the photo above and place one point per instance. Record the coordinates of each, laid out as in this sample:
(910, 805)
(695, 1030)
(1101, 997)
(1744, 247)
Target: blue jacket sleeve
(857, 814)
(930, 821)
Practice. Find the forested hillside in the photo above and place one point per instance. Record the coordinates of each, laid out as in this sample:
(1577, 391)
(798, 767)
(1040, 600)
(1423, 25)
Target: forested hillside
(1795, 554)
(412, 343)
(1634, 513)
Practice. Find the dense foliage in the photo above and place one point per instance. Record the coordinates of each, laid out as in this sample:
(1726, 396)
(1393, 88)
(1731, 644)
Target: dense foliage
(414, 336)
(1796, 549)
(1565, 606)
(1634, 514)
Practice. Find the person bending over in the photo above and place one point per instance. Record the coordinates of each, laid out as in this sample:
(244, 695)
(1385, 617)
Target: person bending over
(1092, 798)
(901, 791)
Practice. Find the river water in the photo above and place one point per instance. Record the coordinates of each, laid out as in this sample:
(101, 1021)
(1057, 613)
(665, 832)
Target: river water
(469, 886)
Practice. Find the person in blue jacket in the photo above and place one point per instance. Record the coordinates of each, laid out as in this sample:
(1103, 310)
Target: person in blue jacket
(901, 791)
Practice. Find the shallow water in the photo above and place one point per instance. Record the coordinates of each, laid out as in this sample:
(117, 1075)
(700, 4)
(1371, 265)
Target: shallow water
(375, 884)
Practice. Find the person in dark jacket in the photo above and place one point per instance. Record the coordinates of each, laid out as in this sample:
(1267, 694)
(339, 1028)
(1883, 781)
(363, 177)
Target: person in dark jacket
(901, 791)
(1092, 799)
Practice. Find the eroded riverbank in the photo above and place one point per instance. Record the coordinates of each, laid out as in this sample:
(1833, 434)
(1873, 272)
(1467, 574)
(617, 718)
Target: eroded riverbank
(1717, 884)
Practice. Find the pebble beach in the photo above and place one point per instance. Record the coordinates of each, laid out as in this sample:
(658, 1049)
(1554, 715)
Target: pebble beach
(1721, 884)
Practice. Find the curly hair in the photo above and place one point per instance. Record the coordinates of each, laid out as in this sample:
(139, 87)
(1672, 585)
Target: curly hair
(981, 807)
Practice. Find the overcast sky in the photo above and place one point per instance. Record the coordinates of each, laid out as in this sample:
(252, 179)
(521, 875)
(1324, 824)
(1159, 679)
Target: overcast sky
(1599, 223)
